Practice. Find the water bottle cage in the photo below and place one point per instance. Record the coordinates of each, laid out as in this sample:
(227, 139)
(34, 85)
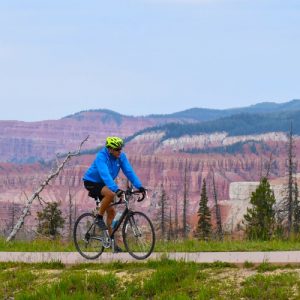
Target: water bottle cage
(116, 220)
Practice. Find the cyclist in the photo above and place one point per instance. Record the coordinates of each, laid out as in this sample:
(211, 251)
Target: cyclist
(99, 178)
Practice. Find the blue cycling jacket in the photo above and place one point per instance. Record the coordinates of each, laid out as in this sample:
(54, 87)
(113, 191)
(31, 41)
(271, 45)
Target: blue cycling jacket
(105, 168)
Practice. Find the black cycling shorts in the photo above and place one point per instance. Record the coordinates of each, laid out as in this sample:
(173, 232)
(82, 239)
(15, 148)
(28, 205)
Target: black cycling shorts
(94, 189)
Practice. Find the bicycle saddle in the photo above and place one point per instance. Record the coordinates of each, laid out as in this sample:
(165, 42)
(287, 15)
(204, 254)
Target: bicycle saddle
(90, 194)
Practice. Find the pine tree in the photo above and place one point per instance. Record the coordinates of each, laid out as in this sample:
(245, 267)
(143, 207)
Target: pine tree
(204, 223)
(260, 218)
(219, 230)
(50, 220)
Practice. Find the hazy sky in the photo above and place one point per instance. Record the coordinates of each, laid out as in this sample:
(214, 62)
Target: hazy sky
(139, 57)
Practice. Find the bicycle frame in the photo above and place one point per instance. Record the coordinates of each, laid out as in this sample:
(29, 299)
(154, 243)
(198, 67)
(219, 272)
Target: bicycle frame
(125, 212)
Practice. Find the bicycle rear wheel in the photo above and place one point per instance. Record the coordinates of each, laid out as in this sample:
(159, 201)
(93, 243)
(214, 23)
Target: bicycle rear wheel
(138, 235)
(87, 236)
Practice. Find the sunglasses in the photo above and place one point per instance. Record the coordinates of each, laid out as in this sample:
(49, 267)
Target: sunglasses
(118, 149)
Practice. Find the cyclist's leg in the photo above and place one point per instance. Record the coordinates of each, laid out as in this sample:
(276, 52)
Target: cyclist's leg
(95, 192)
(111, 212)
(108, 197)
(110, 216)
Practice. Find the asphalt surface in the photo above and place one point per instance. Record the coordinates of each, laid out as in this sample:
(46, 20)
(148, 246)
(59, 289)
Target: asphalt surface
(278, 257)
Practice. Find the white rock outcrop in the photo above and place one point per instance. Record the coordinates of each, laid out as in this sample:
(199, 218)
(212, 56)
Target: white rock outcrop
(239, 199)
(218, 139)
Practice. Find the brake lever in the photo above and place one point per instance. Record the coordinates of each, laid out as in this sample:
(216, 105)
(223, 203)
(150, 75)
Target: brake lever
(122, 198)
(143, 197)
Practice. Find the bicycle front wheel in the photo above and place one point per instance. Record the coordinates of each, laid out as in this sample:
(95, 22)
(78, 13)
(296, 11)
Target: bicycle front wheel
(138, 235)
(87, 237)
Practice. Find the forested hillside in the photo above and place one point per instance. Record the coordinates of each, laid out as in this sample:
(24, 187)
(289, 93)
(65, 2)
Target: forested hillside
(240, 124)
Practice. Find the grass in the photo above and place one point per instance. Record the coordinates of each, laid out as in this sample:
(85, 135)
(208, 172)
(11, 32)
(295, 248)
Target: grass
(194, 245)
(164, 279)
(191, 245)
(37, 245)
(273, 286)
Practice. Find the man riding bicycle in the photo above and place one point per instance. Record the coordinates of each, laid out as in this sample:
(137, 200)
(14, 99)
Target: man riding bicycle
(99, 179)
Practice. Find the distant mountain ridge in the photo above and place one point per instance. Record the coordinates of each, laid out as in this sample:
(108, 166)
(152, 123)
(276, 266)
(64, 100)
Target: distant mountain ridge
(197, 114)
(107, 116)
(204, 114)
(25, 142)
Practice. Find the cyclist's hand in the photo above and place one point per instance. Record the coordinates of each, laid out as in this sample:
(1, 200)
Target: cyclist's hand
(142, 190)
(119, 193)
(144, 193)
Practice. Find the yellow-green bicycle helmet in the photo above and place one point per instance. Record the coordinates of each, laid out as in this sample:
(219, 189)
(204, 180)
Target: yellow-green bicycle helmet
(114, 142)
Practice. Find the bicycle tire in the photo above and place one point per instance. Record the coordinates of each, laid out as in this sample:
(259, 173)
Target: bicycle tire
(138, 235)
(83, 233)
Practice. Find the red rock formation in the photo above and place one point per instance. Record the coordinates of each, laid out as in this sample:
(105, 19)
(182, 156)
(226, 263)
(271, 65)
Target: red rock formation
(25, 141)
(155, 162)
(16, 181)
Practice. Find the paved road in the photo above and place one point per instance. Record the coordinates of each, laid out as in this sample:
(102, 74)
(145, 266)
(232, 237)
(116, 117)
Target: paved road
(280, 257)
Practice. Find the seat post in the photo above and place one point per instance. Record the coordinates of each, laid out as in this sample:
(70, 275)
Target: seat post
(97, 201)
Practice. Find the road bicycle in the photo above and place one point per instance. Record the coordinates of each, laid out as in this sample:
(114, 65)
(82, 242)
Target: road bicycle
(137, 232)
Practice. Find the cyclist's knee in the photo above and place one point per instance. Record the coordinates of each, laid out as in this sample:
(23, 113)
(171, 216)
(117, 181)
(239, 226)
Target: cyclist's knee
(111, 212)
(107, 193)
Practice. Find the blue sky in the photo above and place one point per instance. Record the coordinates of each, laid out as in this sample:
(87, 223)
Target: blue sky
(139, 57)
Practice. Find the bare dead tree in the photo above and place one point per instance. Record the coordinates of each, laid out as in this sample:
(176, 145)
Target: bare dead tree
(12, 214)
(36, 194)
(217, 210)
(75, 209)
(170, 231)
(176, 217)
(162, 218)
(185, 204)
(261, 167)
(70, 204)
(285, 209)
(296, 209)
(290, 188)
(269, 164)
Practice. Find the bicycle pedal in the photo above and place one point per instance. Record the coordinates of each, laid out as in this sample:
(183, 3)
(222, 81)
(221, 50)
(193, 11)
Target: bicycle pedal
(105, 239)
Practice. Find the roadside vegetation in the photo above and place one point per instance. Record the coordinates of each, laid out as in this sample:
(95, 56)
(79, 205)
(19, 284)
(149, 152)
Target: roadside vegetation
(192, 245)
(268, 225)
(165, 279)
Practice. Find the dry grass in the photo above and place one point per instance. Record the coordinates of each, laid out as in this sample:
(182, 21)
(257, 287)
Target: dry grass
(153, 280)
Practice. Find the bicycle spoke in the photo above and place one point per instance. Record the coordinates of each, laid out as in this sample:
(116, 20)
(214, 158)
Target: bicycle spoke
(87, 237)
(138, 235)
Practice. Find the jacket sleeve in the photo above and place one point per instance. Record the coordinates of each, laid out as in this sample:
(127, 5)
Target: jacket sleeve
(101, 163)
(128, 171)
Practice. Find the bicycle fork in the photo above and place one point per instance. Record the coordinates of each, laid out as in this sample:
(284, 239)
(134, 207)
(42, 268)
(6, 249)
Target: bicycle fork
(135, 228)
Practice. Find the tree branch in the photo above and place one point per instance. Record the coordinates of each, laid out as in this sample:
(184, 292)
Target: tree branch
(36, 194)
